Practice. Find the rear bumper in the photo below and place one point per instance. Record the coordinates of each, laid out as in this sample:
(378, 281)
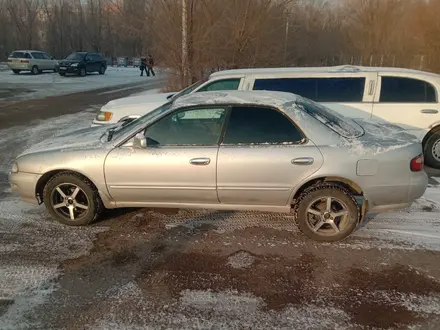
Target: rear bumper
(24, 184)
(401, 196)
(20, 66)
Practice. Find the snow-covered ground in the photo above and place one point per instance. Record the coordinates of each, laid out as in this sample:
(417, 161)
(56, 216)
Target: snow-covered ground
(27, 86)
(32, 246)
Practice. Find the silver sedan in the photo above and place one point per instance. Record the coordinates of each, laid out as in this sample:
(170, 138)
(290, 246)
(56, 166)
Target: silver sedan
(262, 151)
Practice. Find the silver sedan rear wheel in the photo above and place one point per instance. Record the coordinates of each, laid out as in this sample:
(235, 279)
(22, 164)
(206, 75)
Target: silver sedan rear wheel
(327, 215)
(327, 212)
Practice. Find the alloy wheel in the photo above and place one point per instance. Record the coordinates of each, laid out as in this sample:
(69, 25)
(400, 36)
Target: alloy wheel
(69, 201)
(327, 216)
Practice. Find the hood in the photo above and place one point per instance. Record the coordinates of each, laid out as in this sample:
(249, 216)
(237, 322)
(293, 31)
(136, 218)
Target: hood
(84, 139)
(68, 62)
(140, 99)
(380, 137)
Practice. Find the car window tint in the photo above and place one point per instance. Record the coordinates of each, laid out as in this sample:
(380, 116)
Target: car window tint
(258, 125)
(188, 127)
(17, 55)
(406, 90)
(221, 85)
(317, 89)
(46, 57)
(37, 56)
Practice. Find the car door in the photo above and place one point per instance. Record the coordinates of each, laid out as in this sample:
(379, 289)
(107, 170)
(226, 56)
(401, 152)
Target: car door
(38, 60)
(350, 94)
(50, 62)
(263, 156)
(177, 166)
(89, 63)
(408, 102)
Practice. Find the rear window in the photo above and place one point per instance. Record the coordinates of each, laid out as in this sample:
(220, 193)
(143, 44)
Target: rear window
(19, 55)
(317, 89)
(338, 123)
(406, 90)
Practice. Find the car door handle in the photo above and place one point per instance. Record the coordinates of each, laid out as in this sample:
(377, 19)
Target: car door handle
(303, 161)
(429, 111)
(200, 161)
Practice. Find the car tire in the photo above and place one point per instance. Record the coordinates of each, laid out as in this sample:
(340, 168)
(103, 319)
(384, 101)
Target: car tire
(82, 72)
(16, 71)
(322, 223)
(62, 73)
(431, 150)
(102, 70)
(69, 195)
(35, 70)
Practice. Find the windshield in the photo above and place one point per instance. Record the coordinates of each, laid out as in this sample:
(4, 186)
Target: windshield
(139, 122)
(335, 121)
(76, 56)
(187, 90)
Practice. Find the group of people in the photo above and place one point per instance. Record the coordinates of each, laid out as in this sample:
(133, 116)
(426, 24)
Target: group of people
(147, 65)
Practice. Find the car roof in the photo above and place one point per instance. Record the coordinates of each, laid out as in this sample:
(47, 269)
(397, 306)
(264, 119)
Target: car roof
(328, 69)
(28, 51)
(262, 98)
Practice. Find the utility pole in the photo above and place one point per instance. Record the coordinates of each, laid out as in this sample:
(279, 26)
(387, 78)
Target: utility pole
(184, 43)
(286, 37)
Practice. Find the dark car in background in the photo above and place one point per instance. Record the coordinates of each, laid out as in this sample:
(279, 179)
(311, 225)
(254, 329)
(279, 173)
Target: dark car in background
(81, 63)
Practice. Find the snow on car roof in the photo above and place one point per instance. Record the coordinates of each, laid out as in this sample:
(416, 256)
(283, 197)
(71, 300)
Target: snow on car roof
(266, 98)
(328, 69)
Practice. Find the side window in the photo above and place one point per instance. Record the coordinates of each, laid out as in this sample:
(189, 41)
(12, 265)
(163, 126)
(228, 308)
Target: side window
(188, 127)
(221, 85)
(27, 55)
(89, 57)
(37, 56)
(46, 57)
(317, 89)
(96, 57)
(406, 90)
(255, 125)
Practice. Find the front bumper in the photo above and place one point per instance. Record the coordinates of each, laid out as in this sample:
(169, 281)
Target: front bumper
(24, 184)
(97, 123)
(68, 69)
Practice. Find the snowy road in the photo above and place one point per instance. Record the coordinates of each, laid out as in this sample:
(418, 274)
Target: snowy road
(26, 86)
(209, 270)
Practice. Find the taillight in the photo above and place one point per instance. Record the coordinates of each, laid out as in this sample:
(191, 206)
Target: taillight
(24, 61)
(417, 163)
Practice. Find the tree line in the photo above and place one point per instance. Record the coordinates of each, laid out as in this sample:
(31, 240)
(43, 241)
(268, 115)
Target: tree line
(230, 33)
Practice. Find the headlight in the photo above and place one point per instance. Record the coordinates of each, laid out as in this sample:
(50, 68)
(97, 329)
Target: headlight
(74, 64)
(14, 168)
(104, 116)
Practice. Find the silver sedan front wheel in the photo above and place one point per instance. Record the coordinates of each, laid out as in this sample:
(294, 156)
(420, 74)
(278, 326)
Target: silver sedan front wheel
(72, 199)
(69, 201)
(327, 212)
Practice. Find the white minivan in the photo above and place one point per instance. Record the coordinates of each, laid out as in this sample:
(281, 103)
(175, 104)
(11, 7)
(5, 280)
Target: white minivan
(407, 98)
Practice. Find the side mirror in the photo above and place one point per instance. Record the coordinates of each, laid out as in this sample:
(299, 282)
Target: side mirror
(170, 96)
(140, 141)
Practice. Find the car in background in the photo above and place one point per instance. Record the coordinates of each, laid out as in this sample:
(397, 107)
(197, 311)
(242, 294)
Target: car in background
(407, 98)
(260, 151)
(82, 63)
(127, 109)
(31, 60)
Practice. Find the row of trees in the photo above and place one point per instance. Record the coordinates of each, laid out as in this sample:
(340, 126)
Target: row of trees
(231, 33)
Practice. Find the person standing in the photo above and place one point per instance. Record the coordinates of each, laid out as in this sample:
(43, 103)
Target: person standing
(144, 66)
(150, 65)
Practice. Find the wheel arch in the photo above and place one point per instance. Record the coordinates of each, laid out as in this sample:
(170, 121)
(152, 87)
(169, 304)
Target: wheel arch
(348, 184)
(433, 130)
(44, 179)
